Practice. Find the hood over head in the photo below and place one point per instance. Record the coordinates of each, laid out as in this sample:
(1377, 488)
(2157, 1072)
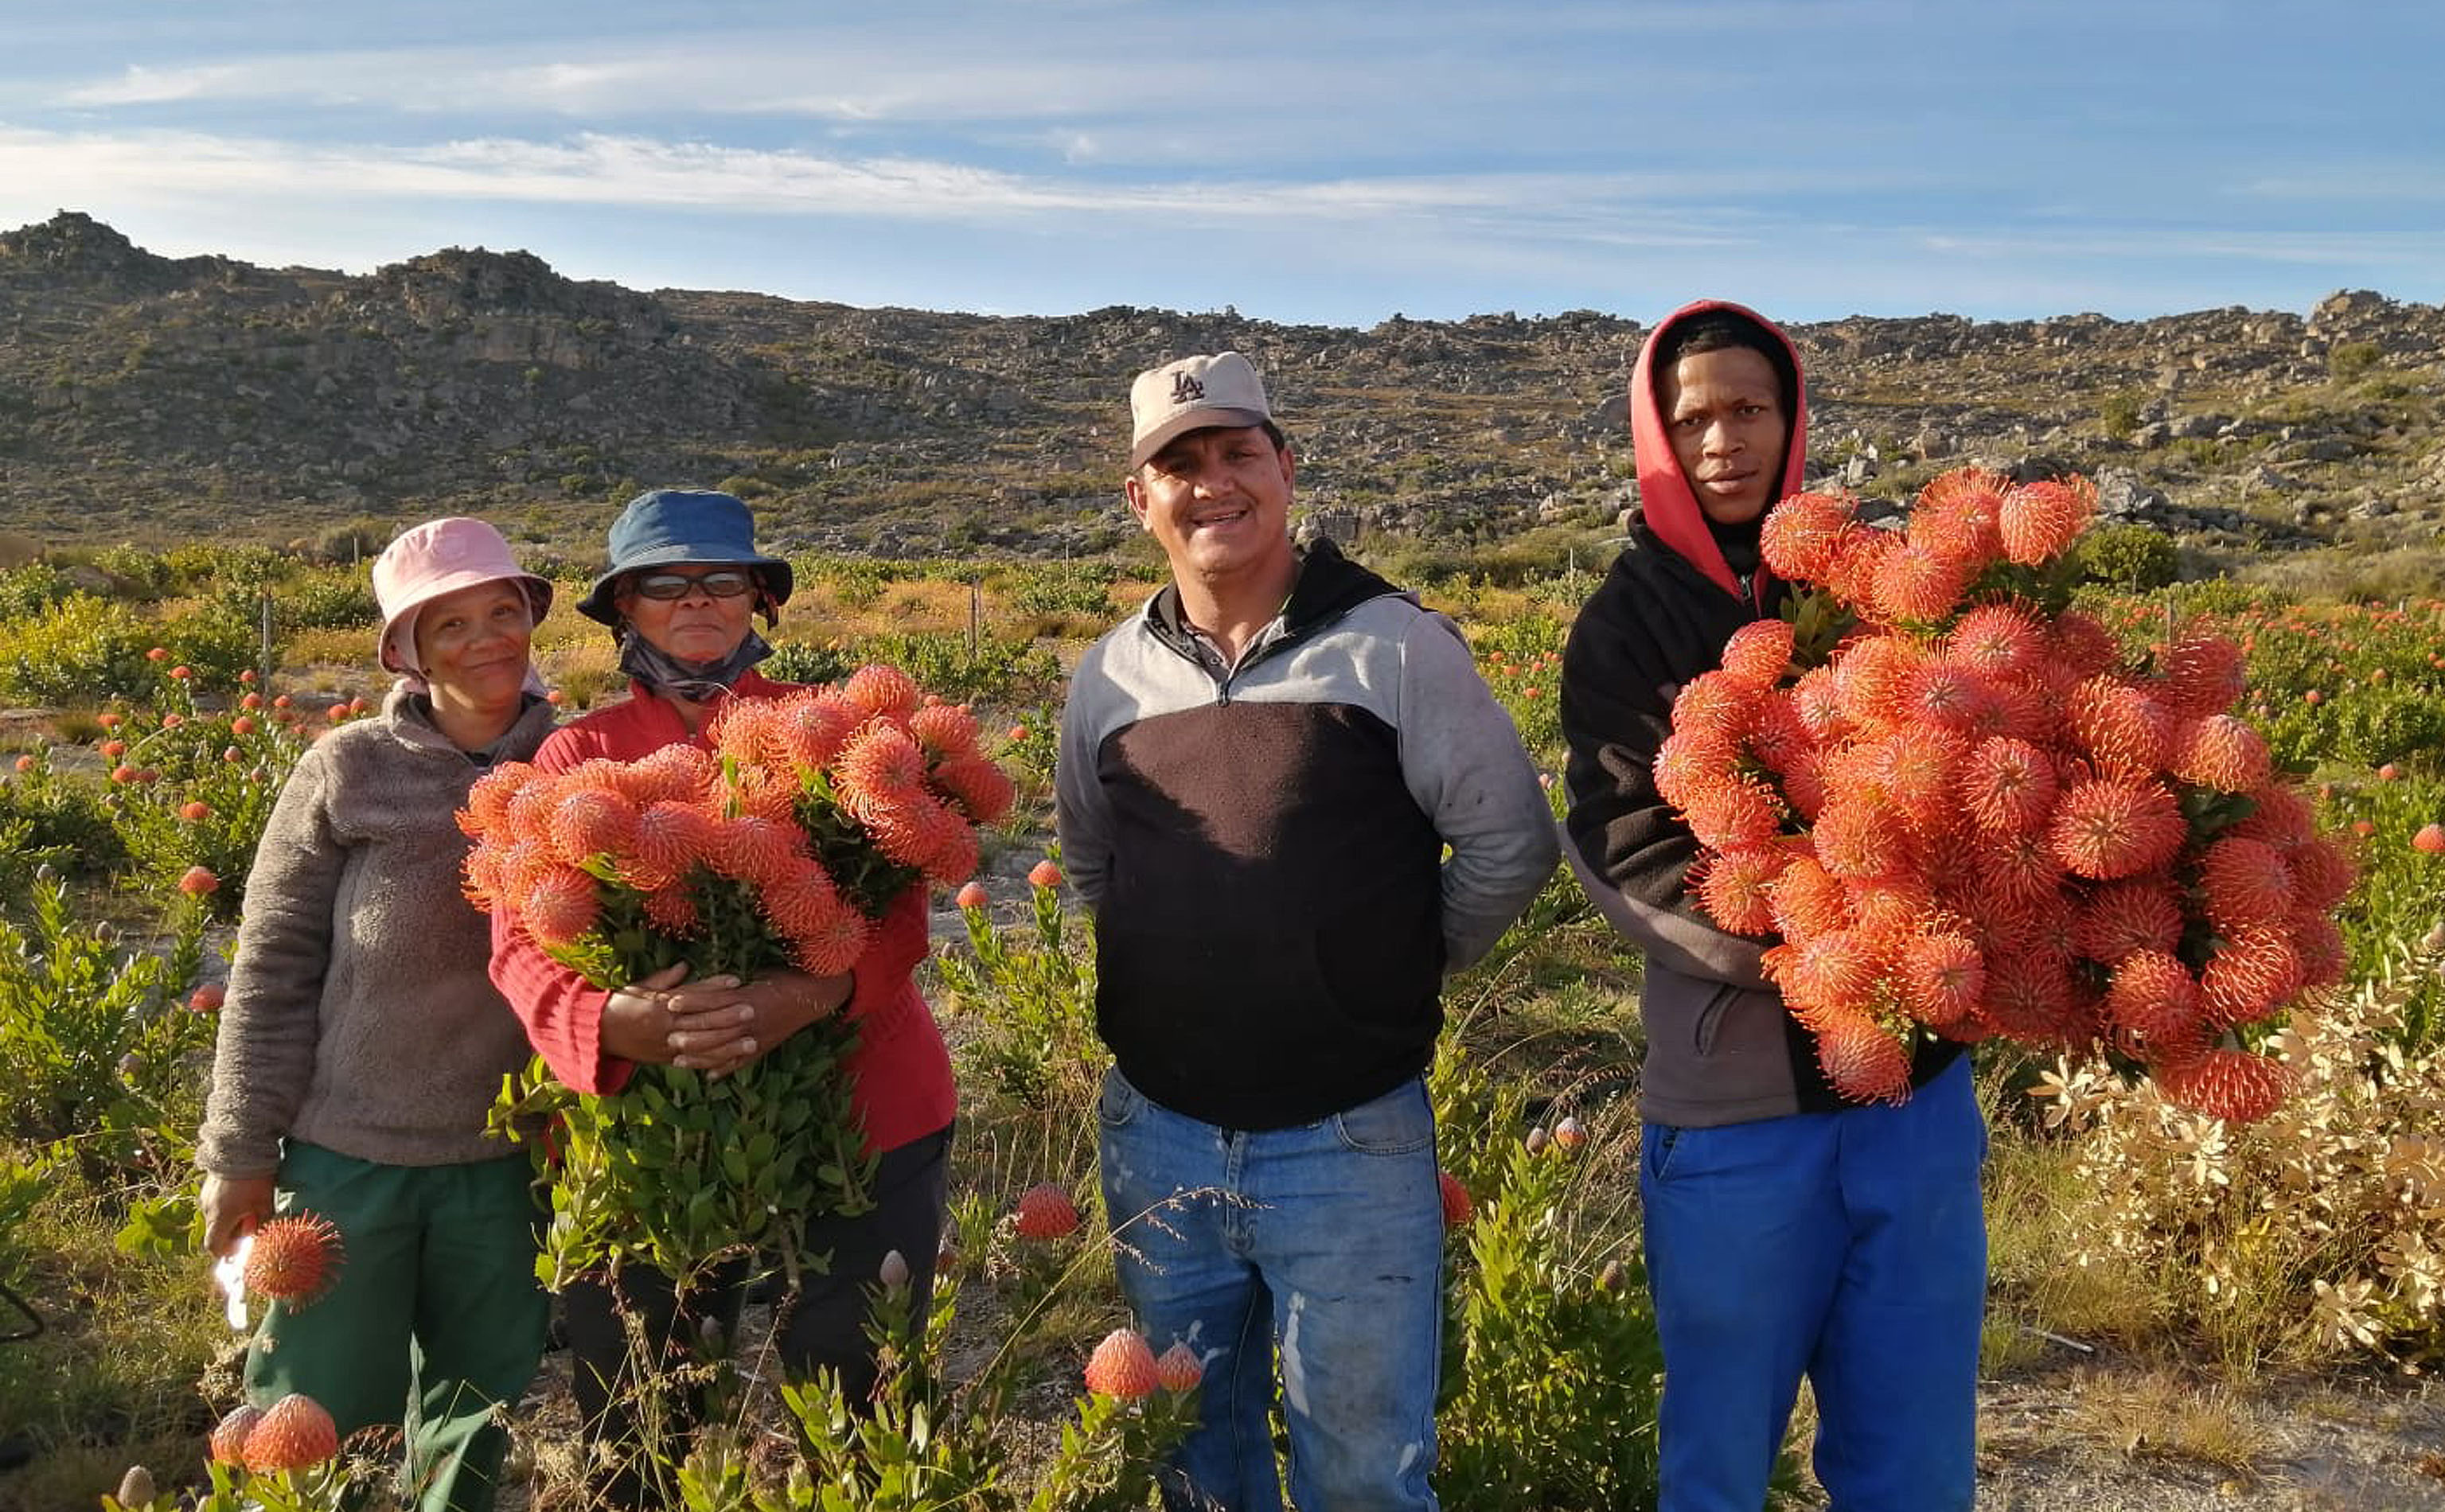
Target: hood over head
(1666, 500)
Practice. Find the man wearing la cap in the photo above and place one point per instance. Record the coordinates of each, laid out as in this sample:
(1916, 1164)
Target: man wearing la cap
(361, 1044)
(1260, 773)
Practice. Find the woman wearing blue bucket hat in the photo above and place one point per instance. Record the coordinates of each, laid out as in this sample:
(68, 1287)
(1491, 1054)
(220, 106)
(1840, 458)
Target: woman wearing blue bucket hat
(680, 590)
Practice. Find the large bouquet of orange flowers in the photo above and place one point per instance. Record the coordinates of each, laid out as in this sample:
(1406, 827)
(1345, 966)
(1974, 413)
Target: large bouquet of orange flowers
(1967, 813)
(776, 848)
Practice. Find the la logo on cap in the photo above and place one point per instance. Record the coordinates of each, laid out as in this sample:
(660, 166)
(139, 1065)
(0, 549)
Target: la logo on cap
(1186, 388)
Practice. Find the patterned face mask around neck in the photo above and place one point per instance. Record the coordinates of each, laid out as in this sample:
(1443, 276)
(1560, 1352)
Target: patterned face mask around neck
(695, 682)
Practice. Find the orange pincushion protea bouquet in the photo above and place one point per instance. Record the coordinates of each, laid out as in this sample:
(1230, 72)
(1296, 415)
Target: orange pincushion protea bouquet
(779, 849)
(1974, 818)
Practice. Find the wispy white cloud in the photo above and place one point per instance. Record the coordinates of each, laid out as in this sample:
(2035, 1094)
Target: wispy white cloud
(598, 168)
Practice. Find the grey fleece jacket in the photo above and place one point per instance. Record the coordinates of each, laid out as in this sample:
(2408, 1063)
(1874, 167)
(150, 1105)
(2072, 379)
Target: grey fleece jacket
(360, 1016)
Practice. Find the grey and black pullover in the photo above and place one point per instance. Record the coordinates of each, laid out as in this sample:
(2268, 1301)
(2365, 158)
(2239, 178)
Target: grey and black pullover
(1264, 845)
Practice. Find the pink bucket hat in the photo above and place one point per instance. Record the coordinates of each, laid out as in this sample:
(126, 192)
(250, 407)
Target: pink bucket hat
(438, 557)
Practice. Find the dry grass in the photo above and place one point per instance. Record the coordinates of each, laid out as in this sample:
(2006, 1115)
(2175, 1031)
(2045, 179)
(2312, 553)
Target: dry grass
(2168, 1414)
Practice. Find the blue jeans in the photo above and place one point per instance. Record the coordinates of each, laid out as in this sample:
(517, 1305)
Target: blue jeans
(1850, 1247)
(1324, 1242)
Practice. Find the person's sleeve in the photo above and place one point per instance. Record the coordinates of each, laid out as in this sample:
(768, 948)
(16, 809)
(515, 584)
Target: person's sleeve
(1628, 847)
(892, 954)
(1463, 761)
(1079, 817)
(561, 1010)
(270, 1022)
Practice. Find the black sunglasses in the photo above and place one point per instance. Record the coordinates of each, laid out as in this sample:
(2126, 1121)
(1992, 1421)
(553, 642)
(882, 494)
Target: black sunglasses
(722, 582)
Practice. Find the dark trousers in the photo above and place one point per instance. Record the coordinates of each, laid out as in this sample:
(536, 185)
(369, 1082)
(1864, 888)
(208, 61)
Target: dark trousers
(633, 1394)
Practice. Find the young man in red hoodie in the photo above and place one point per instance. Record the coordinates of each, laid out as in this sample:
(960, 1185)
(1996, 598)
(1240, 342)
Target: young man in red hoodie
(1788, 1232)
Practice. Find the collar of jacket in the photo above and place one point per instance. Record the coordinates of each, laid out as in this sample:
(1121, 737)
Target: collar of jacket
(413, 727)
(1329, 586)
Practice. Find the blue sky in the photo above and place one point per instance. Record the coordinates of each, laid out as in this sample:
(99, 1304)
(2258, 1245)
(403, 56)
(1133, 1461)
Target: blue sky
(1317, 163)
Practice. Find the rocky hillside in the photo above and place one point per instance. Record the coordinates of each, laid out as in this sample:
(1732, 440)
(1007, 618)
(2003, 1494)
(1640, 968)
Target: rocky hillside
(148, 399)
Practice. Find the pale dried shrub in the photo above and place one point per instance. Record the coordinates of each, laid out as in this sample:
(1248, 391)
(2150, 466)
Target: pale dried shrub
(2318, 1231)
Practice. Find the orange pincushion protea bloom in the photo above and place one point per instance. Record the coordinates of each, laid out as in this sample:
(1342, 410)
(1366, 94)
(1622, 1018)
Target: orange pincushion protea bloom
(2219, 751)
(1735, 886)
(2081, 646)
(673, 835)
(882, 764)
(1716, 703)
(2000, 641)
(2278, 815)
(946, 730)
(2117, 722)
(2322, 874)
(1862, 838)
(2121, 919)
(2007, 786)
(1800, 535)
(559, 906)
(2245, 882)
(754, 849)
(1759, 652)
(1943, 977)
(1949, 695)
(1816, 698)
(882, 690)
(2039, 520)
(2252, 971)
(1808, 901)
(2031, 998)
(2116, 827)
(1690, 759)
(674, 771)
(1862, 1058)
(2153, 994)
(1874, 680)
(1778, 736)
(1920, 587)
(590, 822)
(488, 797)
(810, 731)
(2318, 945)
(2202, 673)
(2233, 1085)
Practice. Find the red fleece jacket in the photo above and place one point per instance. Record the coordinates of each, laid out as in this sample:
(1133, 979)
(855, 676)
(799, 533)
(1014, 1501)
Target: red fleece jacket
(904, 1089)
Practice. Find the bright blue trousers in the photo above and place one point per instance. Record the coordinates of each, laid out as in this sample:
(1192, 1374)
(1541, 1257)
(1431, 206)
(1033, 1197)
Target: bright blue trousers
(1847, 1247)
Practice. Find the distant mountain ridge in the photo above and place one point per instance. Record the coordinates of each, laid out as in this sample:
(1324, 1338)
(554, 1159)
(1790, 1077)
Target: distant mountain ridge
(146, 398)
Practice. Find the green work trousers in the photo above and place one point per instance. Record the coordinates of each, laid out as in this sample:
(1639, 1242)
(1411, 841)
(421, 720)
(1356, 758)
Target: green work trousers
(436, 1323)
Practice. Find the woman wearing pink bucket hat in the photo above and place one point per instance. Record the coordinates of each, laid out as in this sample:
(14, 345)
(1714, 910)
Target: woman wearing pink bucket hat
(362, 1041)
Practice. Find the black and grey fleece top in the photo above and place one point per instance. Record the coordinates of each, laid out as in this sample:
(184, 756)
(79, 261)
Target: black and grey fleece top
(1264, 845)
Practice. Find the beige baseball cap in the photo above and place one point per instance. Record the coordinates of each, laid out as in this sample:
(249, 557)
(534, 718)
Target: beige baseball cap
(1190, 395)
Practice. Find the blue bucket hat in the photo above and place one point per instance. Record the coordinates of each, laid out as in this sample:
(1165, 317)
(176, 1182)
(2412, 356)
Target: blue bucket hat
(668, 527)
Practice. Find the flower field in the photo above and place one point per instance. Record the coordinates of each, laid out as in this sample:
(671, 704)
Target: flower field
(150, 726)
